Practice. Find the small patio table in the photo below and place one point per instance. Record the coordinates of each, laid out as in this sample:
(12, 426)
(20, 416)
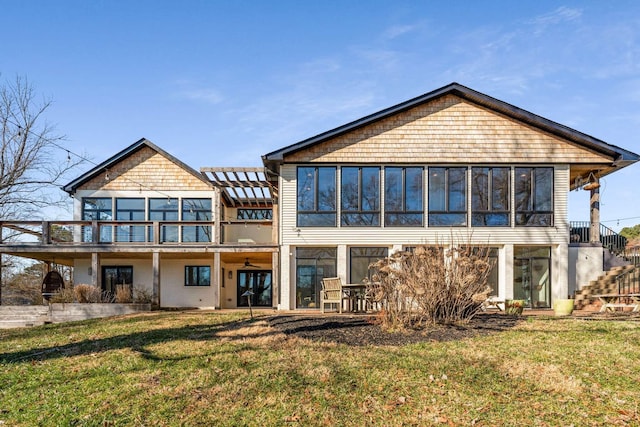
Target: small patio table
(356, 294)
(612, 301)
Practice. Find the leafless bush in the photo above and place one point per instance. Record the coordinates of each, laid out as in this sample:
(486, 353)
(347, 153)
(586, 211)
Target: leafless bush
(87, 293)
(123, 294)
(432, 284)
(64, 295)
(141, 295)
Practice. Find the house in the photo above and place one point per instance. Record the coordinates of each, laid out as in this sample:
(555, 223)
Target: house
(452, 164)
(146, 221)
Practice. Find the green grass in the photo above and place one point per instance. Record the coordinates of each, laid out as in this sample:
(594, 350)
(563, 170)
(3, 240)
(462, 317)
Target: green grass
(197, 368)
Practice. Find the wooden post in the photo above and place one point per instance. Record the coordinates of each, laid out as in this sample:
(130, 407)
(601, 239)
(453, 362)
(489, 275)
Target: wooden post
(155, 299)
(216, 278)
(46, 236)
(95, 268)
(594, 231)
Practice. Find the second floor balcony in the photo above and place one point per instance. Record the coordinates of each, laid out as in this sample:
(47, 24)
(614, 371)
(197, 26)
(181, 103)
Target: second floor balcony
(69, 233)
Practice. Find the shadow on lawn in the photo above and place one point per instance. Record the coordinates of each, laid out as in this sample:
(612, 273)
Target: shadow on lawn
(137, 341)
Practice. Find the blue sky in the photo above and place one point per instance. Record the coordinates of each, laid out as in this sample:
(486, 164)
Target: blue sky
(219, 83)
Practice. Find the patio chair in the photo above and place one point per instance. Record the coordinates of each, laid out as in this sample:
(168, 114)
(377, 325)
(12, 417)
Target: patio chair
(331, 293)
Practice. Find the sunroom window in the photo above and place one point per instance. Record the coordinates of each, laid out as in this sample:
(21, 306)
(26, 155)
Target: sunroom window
(360, 195)
(447, 196)
(534, 196)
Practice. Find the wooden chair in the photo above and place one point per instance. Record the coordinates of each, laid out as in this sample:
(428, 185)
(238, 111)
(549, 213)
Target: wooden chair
(331, 293)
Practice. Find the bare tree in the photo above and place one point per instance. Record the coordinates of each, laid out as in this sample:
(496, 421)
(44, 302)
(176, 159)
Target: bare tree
(30, 153)
(32, 161)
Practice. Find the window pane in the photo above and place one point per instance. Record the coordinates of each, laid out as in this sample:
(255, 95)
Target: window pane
(437, 196)
(543, 189)
(480, 189)
(313, 264)
(349, 189)
(500, 194)
(326, 189)
(534, 196)
(413, 184)
(316, 196)
(370, 189)
(360, 194)
(306, 189)
(393, 189)
(361, 259)
(457, 189)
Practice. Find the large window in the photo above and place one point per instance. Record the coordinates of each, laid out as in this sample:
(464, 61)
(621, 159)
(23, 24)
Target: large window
(534, 196)
(360, 195)
(117, 276)
(316, 196)
(164, 210)
(197, 275)
(490, 196)
(312, 265)
(129, 209)
(97, 209)
(447, 196)
(361, 259)
(403, 196)
(196, 210)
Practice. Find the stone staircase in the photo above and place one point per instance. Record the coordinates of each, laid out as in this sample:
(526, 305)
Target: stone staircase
(604, 284)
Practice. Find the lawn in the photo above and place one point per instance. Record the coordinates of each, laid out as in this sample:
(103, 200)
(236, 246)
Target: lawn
(206, 368)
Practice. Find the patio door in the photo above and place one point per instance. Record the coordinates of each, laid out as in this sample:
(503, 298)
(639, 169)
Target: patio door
(532, 276)
(258, 282)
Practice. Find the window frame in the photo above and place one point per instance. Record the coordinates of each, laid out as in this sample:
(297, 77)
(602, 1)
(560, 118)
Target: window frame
(404, 190)
(535, 216)
(165, 230)
(197, 269)
(369, 256)
(328, 217)
(356, 215)
(201, 233)
(448, 190)
(130, 233)
(484, 215)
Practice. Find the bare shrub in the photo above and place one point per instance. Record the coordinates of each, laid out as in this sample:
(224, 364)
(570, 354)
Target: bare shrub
(141, 295)
(87, 293)
(64, 295)
(432, 284)
(123, 294)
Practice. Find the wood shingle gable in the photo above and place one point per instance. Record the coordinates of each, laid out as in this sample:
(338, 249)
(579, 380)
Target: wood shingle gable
(447, 130)
(455, 124)
(141, 166)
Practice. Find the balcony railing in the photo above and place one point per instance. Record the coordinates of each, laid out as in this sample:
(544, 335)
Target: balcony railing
(580, 233)
(127, 232)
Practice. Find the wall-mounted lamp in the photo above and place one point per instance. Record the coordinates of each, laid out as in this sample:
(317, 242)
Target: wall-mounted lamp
(230, 274)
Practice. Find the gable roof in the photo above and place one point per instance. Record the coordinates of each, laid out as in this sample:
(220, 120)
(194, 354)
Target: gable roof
(620, 156)
(133, 148)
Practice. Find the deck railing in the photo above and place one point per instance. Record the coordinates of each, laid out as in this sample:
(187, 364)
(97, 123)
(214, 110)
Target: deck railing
(580, 233)
(124, 232)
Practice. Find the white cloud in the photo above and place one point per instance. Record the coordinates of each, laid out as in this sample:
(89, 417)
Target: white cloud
(561, 14)
(397, 31)
(210, 96)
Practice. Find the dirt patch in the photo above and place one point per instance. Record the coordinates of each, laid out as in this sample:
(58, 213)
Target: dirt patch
(361, 330)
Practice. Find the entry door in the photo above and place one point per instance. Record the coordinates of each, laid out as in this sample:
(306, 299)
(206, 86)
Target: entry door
(258, 282)
(532, 276)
